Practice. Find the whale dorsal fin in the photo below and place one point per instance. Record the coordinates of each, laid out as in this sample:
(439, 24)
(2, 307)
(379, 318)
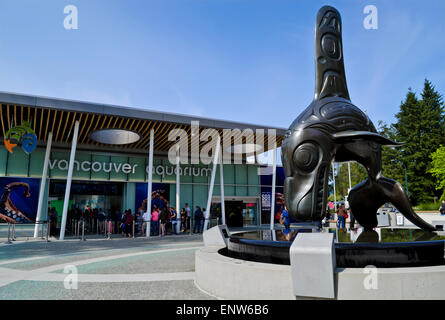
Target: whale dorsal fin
(365, 135)
(330, 78)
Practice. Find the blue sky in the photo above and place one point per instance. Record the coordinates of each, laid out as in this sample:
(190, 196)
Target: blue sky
(241, 60)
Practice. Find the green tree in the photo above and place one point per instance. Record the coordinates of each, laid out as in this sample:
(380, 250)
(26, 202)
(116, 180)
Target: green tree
(390, 167)
(438, 169)
(420, 125)
(358, 174)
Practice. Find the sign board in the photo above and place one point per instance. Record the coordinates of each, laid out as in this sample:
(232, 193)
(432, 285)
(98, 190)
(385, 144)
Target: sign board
(400, 220)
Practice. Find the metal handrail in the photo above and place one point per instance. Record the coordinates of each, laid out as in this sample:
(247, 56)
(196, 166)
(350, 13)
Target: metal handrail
(83, 230)
(9, 233)
(48, 225)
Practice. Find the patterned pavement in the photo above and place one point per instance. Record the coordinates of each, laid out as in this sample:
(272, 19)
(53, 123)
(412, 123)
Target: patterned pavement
(120, 268)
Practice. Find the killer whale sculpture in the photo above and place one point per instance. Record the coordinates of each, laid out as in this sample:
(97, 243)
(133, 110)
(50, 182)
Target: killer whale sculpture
(333, 129)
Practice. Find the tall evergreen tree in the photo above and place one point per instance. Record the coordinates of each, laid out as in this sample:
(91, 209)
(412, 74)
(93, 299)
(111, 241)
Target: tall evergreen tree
(421, 126)
(358, 174)
(392, 166)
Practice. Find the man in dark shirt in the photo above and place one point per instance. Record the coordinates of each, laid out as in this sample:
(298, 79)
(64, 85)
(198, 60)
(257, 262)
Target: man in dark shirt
(198, 220)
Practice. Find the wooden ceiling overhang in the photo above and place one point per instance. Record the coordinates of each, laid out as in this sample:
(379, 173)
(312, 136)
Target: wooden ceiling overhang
(58, 116)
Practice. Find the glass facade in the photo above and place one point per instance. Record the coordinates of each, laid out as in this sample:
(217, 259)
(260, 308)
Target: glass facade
(94, 171)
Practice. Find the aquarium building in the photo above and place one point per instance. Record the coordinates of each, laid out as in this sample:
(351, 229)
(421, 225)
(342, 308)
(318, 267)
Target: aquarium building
(102, 155)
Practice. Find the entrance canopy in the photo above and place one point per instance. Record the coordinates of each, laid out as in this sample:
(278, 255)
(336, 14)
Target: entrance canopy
(58, 116)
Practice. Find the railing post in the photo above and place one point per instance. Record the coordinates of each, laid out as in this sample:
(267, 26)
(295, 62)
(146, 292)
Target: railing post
(47, 230)
(83, 229)
(9, 232)
(110, 223)
(133, 228)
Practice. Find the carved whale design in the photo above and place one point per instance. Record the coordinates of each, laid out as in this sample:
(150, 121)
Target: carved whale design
(333, 129)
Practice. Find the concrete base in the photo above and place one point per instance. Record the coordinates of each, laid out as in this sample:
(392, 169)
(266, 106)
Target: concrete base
(312, 259)
(229, 278)
(216, 236)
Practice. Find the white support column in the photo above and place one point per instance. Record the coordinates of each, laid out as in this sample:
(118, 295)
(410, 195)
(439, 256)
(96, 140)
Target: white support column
(333, 178)
(178, 191)
(149, 183)
(349, 173)
(212, 181)
(335, 203)
(43, 184)
(272, 200)
(68, 181)
(221, 182)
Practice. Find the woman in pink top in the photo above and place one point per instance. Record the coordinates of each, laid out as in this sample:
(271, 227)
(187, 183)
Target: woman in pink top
(155, 221)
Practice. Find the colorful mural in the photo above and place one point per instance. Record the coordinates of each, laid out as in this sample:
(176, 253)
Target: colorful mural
(18, 200)
(160, 195)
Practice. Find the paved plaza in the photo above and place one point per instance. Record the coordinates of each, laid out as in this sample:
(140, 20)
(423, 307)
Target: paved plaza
(120, 268)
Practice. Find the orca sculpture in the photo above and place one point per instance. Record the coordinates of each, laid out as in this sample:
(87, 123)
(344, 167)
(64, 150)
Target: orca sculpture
(333, 129)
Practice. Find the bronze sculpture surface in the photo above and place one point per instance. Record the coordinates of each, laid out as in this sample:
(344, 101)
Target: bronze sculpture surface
(333, 129)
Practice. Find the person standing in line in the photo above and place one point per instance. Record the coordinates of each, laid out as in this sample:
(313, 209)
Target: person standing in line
(168, 224)
(129, 224)
(109, 223)
(53, 221)
(205, 217)
(198, 218)
(173, 219)
(138, 220)
(155, 221)
(101, 217)
(188, 212)
(183, 220)
(146, 218)
(123, 224)
(163, 217)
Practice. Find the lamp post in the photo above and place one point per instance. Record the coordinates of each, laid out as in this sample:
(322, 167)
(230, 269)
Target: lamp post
(406, 174)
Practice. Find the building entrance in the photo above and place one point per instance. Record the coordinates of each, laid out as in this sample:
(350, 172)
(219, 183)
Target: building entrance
(86, 196)
(239, 212)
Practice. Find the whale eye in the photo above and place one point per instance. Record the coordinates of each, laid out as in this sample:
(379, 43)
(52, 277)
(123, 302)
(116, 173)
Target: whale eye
(306, 157)
(287, 134)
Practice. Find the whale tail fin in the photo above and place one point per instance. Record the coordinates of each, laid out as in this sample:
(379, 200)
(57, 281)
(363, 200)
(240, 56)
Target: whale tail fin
(365, 199)
(330, 78)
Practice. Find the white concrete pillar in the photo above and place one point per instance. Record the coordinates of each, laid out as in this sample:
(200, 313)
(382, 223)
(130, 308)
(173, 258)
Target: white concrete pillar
(43, 184)
(69, 180)
(221, 182)
(335, 203)
(272, 200)
(212, 181)
(178, 191)
(349, 173)
(149, 183)
(333, 178)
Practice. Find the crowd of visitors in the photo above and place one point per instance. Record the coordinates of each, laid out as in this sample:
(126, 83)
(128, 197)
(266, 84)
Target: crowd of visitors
(163, 221)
